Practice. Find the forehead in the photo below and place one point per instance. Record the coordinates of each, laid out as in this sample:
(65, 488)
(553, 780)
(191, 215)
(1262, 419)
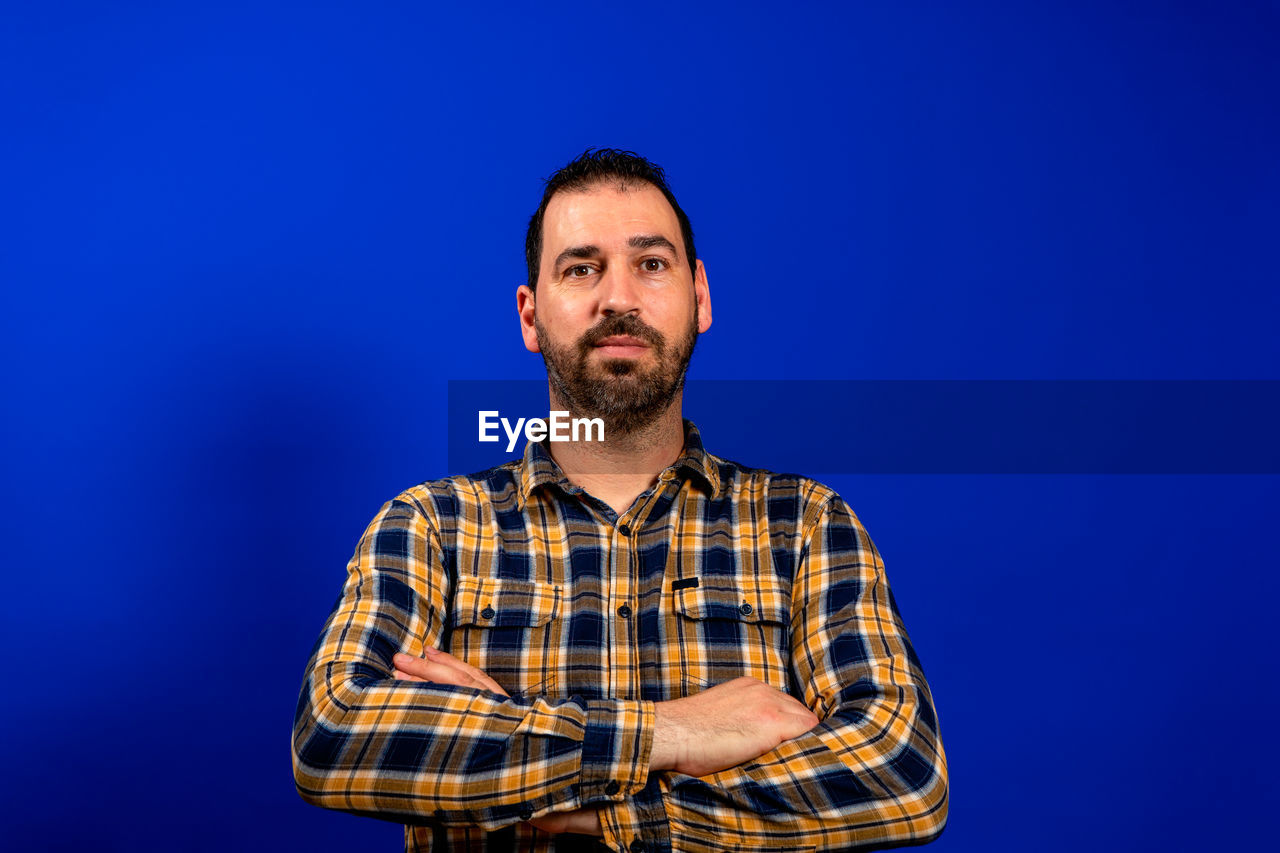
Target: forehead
(606, 215)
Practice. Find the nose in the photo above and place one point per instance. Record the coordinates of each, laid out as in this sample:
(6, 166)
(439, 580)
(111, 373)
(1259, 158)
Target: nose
(618, 290)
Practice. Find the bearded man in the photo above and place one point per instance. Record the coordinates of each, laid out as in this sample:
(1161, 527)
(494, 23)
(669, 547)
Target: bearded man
(629, 644)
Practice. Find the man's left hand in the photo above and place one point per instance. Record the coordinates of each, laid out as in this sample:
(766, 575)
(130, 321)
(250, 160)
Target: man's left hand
(443, 668)
(582, 821)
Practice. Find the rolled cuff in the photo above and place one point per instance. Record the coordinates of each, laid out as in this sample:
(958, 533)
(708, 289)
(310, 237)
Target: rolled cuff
(615, 750)
(620, 824)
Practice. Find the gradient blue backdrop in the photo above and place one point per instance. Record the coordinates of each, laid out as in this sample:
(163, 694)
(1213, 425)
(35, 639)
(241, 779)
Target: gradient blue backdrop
(245, 246)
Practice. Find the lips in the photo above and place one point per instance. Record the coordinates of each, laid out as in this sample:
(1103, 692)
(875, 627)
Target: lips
(621, 341)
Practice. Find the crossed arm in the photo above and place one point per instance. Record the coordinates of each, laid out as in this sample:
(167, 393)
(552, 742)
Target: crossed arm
(702, 734)
(739, 764)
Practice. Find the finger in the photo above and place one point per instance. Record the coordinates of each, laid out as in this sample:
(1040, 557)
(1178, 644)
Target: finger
(583, 821)
(448, 660)
(445, 659)
(440, 674)
(427, 670)
(438, 671)
(411, 665)
(551, 824)
(401, 675)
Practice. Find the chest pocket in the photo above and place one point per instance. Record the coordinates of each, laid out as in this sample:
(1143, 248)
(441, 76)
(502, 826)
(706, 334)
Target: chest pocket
(509, 629)
(727, 629)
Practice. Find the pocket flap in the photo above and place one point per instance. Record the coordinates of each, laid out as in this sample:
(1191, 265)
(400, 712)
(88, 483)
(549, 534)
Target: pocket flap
(504, 603)
(726, 598)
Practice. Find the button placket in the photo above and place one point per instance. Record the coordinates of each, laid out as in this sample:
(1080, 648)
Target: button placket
(624, 667)
(611, 585)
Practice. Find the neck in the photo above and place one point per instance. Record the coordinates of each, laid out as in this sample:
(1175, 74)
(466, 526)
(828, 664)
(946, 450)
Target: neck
(619, 468)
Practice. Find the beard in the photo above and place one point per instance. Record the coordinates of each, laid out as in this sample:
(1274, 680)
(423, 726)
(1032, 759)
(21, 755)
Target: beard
(626, 394)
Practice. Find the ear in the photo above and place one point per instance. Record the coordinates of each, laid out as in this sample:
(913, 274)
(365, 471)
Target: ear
(702, 293)
(525, 308)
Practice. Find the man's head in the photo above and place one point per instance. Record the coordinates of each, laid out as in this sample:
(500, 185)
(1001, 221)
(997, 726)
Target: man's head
(620, 298)
(593, 167)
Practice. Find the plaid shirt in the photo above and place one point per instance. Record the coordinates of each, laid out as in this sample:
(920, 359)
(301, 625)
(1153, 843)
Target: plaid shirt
(587, 618)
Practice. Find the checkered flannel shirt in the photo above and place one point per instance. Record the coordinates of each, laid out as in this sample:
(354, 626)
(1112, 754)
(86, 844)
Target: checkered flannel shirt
(587, 618)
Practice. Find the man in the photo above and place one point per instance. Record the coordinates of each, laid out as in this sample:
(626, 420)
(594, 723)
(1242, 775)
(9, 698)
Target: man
(629, 644)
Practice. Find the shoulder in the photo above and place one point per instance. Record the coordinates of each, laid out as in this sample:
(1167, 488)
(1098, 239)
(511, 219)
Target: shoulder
(785, 495)
(446, 500)
(807, 520)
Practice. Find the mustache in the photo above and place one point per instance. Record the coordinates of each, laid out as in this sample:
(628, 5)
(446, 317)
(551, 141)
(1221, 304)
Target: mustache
(621, 324)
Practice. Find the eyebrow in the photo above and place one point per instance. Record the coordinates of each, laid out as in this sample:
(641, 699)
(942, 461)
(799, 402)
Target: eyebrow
(650, 241)
(639, 241)
(582, 252)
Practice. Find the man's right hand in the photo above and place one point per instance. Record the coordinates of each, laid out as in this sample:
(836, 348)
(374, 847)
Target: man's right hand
(725, 726)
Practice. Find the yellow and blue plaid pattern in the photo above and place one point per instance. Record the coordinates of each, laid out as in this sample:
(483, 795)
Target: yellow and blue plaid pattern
(587, 618)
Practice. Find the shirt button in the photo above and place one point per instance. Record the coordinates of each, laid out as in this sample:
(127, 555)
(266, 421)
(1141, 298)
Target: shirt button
(612, 788)
(745, 609)
(624, 529)
(488, 613)
(637, 846)
(526, 813)
(625, 611)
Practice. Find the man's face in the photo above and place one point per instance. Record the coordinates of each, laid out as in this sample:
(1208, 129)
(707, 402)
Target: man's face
(618, 309)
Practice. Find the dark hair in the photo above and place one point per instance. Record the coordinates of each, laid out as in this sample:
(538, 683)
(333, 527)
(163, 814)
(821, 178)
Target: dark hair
(593, 166)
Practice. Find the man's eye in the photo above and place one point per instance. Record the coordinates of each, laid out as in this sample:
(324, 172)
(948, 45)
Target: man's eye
(654, 264)
(579, 271)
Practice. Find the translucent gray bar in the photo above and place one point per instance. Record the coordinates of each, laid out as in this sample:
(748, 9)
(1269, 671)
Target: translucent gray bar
(941, 426)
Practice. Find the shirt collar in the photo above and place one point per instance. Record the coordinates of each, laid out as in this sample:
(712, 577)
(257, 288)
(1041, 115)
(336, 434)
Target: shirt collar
(539, 469)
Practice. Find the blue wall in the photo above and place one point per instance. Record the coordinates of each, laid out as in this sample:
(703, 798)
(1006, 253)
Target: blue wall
(246, 246)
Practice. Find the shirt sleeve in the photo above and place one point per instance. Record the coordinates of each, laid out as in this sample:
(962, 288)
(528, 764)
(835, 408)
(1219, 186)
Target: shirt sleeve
(417, 752)
(873, 772)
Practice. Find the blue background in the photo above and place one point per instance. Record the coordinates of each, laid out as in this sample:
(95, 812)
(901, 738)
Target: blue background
(245, 247)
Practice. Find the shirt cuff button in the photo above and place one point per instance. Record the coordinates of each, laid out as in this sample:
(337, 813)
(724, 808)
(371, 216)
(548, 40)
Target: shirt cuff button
(612, 788)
